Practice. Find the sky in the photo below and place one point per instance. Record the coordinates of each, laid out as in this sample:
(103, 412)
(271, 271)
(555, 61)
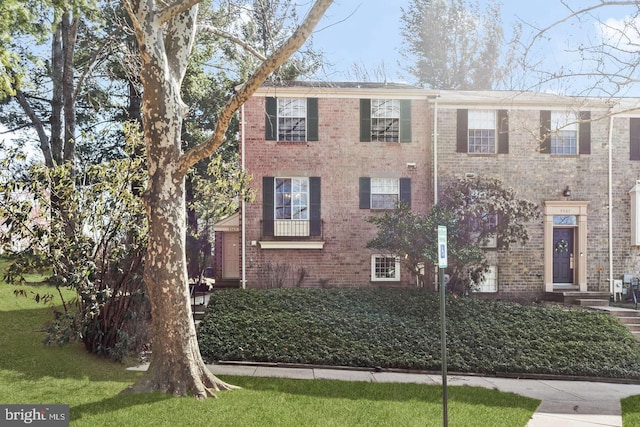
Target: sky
(367, 32)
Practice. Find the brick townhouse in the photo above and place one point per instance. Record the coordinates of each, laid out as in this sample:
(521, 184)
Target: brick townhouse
(326, 156)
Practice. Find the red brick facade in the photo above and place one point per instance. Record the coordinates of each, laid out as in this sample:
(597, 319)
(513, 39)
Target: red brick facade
(339, 257)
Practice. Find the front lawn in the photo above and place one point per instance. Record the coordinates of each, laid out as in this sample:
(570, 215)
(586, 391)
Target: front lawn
(33, 373)
(400, 328)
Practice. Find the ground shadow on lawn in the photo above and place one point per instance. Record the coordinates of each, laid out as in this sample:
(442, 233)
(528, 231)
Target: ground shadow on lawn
(384, 391)
(24, 352)
(116, 403)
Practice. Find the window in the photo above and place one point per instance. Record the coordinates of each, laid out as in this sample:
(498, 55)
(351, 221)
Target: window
(485, 230)
(489, 282)
(386, 120)
(291, 207)
(291, 119)
(565, 133)
(384, 193)
(385, 268)
(482, 131)
(565, 139)
(292, 196)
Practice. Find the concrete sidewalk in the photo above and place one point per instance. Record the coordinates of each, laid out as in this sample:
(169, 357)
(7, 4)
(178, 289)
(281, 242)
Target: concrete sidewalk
(564, 403)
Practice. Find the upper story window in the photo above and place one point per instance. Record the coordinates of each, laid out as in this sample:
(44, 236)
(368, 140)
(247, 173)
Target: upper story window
(384, 193)
(386, 120)
(565, 133)
(291, 206)
(292, 198)
(482, 131)
(565, 139)
(291, 119)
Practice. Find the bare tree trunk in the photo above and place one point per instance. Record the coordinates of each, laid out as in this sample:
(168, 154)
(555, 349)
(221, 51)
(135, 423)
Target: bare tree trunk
(165, 37)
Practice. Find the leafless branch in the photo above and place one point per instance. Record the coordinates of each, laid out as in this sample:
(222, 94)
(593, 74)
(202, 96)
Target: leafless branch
(218, 32)
(176, 9)
(288, 48)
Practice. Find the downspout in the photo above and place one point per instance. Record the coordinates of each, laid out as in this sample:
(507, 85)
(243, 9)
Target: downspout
(435, 147)
(242, 205)
(610, 203)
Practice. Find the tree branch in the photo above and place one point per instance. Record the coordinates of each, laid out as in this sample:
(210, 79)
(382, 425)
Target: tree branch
(176, 9)
(218, 32)
(293, 43)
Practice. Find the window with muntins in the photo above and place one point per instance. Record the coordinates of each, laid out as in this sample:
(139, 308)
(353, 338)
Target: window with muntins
(291, 207)
(385, 120)
(385, 268)
(482, 132)
(292, 195)
(385, 193)
(489, 282)
(564, 141)
(292, 119)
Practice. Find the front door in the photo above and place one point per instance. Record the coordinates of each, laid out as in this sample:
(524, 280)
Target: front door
(231, 255)
(563, 255)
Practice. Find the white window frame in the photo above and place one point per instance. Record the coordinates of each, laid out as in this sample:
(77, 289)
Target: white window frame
(481, 132)
(489, 284)
(295, 222)
(385, 120)
(564, 135)
(384, 193)
(292, 119)
(376, 268)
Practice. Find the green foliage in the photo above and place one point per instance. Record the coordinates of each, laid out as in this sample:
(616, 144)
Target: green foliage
(469, 209)
(400, 328)
(453, 44)
(92, 236)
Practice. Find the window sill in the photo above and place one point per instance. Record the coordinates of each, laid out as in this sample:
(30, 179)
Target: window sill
(291, 244)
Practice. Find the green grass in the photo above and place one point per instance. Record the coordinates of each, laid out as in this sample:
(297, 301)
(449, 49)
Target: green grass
(33, 373)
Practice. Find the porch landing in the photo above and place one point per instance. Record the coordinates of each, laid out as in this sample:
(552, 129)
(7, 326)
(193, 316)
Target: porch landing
(584, 299)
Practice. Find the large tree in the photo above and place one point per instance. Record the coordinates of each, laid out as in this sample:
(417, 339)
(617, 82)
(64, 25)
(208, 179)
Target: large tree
(165, 33)
(452, 44)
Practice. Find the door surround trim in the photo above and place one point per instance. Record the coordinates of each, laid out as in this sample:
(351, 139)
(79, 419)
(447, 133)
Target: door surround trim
(579, 209)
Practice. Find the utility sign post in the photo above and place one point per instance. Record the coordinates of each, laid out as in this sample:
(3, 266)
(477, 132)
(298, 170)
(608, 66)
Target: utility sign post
(442, 264)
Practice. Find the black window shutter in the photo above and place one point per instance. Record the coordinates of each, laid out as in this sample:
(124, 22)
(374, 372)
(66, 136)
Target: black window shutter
(462, 145)
(634, 138)
(405, 120)
(503, 132)
(271, 118)
(545, 131)
(584, 132)
(312, 119)
(405, 190)
(267, 206)
(315, 217)
(365, 120)
(365, 193)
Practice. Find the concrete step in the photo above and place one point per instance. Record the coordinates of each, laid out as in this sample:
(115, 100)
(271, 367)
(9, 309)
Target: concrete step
(634, 320)
(624, 312)
(591, 302)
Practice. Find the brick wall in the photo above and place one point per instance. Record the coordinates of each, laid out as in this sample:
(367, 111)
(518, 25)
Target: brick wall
(339, 159)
